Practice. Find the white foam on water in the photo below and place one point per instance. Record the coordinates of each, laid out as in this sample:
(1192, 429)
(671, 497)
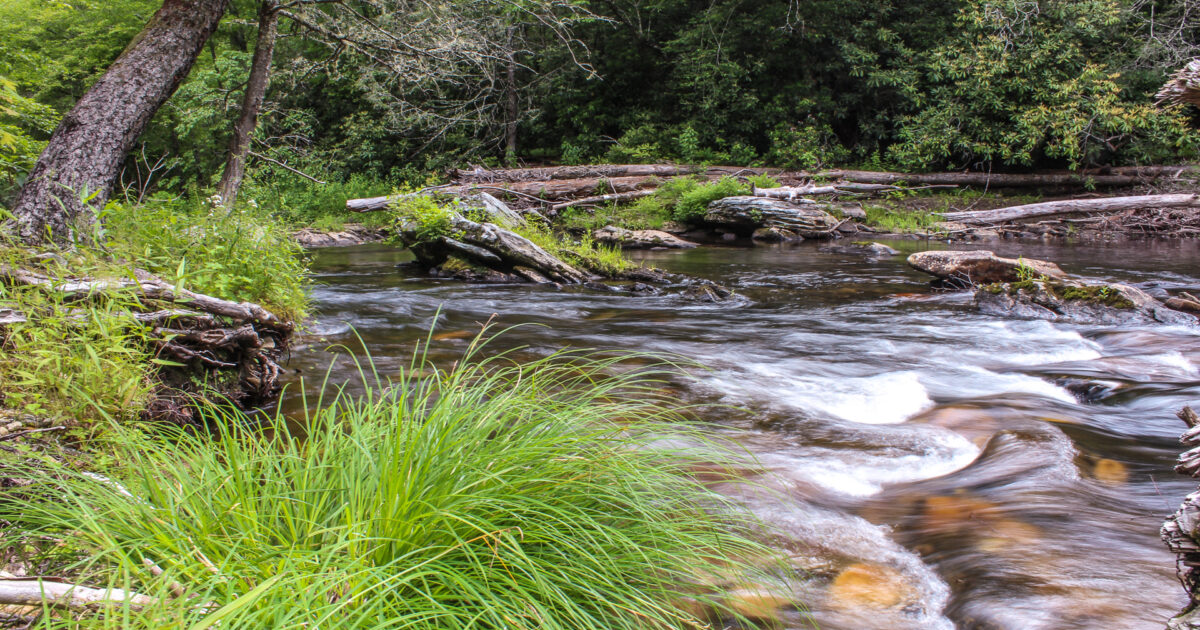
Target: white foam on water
(862, 473)
(978, 382)
(1174, 359)
(888, 398)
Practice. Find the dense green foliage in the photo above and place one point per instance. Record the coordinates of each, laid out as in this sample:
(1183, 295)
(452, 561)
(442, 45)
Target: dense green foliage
(916, 85)
(492, 496)
(78, 359)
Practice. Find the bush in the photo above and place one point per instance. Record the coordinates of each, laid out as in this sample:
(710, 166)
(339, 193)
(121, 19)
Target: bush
(491, 496)
(430, 219)
(693, 201)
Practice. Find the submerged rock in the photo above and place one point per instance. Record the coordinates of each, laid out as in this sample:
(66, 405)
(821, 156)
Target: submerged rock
(1077, 302)
(968, 268)
(862, 248)
(640, 239)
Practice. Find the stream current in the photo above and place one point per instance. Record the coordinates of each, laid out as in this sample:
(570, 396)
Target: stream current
(930, 467)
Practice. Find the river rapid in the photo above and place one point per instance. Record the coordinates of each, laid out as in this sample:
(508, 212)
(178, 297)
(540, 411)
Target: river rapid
(929, 467)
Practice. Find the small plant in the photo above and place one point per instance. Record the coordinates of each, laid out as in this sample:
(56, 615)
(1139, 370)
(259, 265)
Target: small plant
(424, 217)
(763, 181)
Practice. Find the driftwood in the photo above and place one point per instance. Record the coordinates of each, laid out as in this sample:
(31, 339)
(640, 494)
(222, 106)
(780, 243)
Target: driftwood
(992, 180)
(625, 196)
(201, 333)
(798, 192)
(1074, 206)
(1181, 531)
(595, 171)
(25, 592)
(1183, 86)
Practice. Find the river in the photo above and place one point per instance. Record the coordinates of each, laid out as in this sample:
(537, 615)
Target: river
(931, 467)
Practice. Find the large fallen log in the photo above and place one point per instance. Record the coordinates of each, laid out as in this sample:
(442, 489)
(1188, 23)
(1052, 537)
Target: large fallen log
(593, 171)
(792, 193)
(1105, 205)
(991, 180)
(1181, 531)
(625, 196)
(1183, 86)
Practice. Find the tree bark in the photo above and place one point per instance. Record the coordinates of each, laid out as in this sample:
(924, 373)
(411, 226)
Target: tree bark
(82, 161)
(1071, 206)
(252, 100)
(480, 175)
(993, 180)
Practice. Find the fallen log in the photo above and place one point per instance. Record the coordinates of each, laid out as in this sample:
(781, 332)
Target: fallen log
(1074, 206)
(1183, 86)
(68, 596)
(625, 196)
(991, 180)
(593, 171)
(798, 192)
(1181, 531)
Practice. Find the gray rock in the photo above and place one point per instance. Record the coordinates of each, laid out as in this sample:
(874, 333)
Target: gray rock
(1077, 302)
(347, 236)
(776, 235)
(640, 239)
(967, 268)
(806, 218)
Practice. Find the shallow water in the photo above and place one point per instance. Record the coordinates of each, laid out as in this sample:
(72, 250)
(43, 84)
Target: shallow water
(931, 467)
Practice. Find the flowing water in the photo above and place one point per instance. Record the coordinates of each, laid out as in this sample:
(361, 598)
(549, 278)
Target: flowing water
(930, 467)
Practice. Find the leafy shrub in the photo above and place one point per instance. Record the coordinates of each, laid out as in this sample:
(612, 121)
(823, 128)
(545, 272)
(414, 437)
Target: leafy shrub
(808, 146)
(763, 181)
(493, 496)
(693, 202)
(427, 219)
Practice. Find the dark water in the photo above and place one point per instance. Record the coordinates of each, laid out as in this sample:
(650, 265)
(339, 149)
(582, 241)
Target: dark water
(934, 467)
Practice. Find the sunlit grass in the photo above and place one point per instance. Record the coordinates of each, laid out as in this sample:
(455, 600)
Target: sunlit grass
(493, 495)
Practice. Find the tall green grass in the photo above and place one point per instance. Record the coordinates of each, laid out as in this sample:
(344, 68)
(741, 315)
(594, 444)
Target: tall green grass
(492, 495)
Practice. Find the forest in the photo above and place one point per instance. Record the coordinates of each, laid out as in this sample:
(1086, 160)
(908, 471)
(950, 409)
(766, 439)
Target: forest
(599, 314)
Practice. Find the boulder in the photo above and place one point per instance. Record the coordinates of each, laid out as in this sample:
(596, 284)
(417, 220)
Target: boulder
(347, 236)
(1077, 302)
(639, 239)
(970, 268)
(806, 218)
(776, 235)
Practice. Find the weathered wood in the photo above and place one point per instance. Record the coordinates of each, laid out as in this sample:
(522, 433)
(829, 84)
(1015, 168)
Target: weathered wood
(82, 160)
(992, 180)
(1106, 205)
(625, 196)
(593, 171)
(798, 192)
(1183, 86)
(67, 596)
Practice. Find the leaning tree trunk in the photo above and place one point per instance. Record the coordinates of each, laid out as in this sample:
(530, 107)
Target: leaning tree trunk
(82, 161)
(256, 90)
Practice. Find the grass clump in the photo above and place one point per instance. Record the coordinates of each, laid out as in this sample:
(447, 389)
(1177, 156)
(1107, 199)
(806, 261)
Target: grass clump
(601, 258)
(492, 496)
(900, 220)
(429, 220)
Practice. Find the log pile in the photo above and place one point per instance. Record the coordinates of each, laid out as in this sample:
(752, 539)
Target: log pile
(1181, 532)
(195, 336)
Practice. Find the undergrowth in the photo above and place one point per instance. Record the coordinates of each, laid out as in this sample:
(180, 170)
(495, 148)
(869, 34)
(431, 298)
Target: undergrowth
(495, 495)
(72, 357)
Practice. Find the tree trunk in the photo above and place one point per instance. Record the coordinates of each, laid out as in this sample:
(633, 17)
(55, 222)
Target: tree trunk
(994, 180)
(256, 90)
(511, 109)
(1184, 85)
(1072, 206)
(82, 161)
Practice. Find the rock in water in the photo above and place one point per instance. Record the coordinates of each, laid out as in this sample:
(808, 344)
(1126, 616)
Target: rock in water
(864, 585)
(1077, 302)
(640, 239)
(968, 268)
(747, 214)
